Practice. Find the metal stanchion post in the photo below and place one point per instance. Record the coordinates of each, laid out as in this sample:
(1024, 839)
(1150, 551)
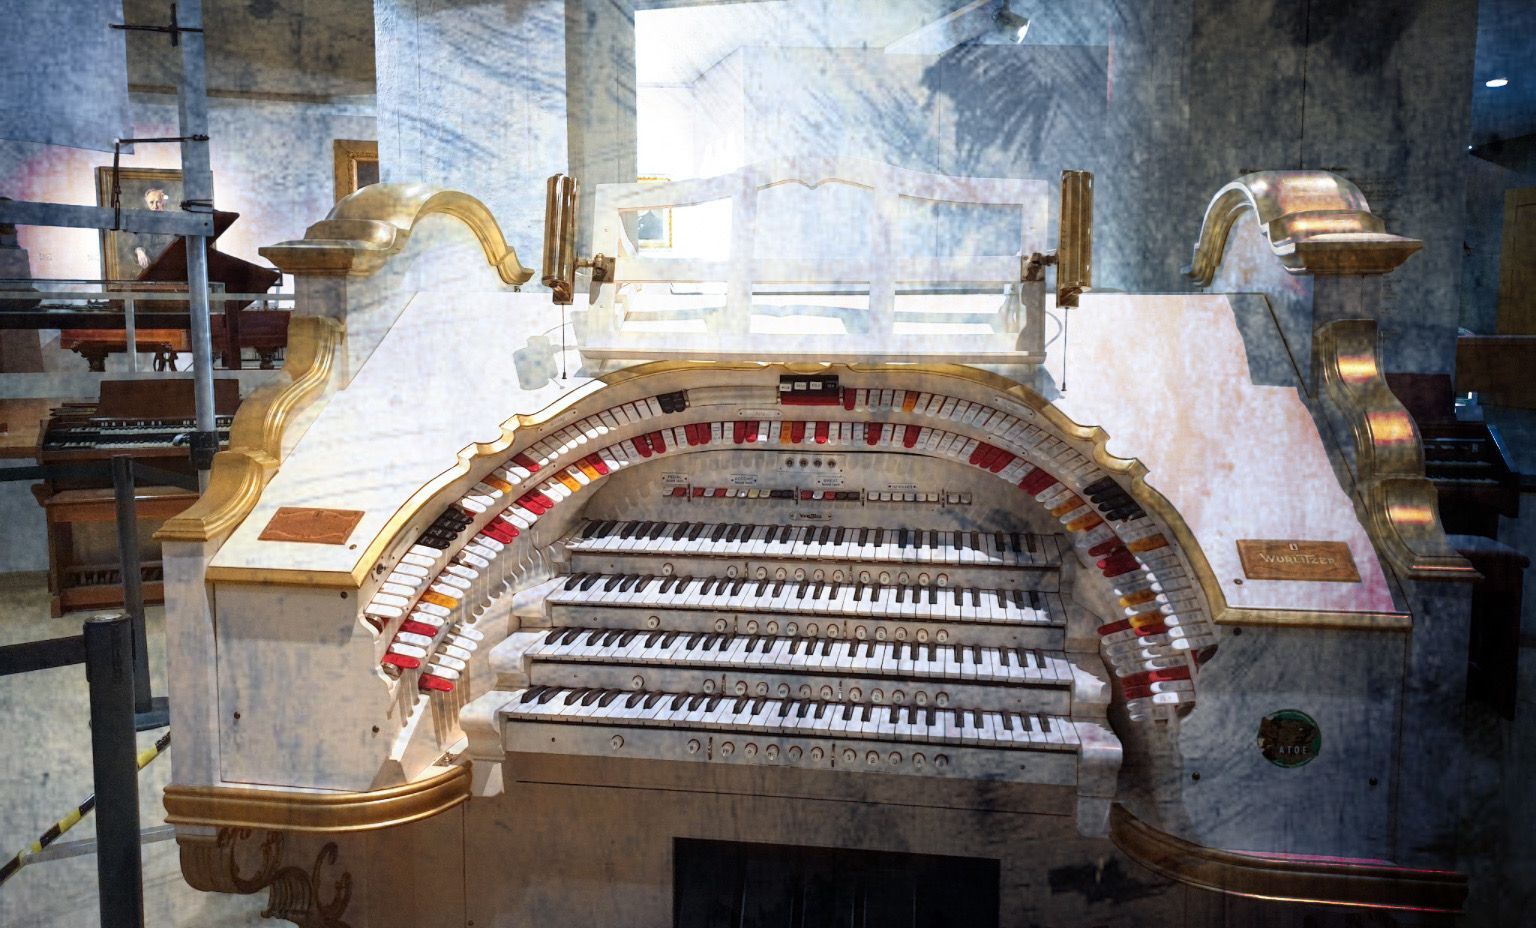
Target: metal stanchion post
(119, 866)
(148, 711)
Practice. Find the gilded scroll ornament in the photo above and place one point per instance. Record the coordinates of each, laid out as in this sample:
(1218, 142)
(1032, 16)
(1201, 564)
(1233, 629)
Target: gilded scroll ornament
(1402, 508)
(1316, 223)
(240, 473)
(368, 227)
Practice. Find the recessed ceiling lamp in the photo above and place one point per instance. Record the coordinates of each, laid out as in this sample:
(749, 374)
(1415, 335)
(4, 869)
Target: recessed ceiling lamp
(1014, 24)
(1496, 82)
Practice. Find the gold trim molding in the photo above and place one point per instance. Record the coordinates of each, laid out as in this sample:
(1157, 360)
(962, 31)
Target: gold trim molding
(256, 435)
(366, 228)
(1402, 507)
(1286, 879)
(328, 813)
(1316, 222)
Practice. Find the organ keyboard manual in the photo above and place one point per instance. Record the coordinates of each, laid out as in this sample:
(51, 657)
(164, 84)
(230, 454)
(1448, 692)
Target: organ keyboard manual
(813, 585)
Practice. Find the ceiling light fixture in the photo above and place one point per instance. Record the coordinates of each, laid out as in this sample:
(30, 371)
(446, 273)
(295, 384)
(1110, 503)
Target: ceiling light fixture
(1012, 23)
(1496, 82)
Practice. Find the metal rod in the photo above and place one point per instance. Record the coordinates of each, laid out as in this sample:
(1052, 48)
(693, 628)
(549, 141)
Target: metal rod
(192, 107)
(133, 582)
(119, 864)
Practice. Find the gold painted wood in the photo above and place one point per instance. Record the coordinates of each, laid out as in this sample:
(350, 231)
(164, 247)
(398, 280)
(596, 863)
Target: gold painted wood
(1288, 878)
(240, 473)
(365, 229)
(1517, 264)
(329, 812)
(1401, 506)
(1316, 223)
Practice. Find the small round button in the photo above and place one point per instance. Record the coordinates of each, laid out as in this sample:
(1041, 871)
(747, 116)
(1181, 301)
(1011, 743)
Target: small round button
(740, 687)
(721, 625)
(805, 691)
(666, 569)
(901, 634)
(860, 632)
(894, 757)
(709, 686)
(881, 634)
(941, 761)
(818, 575)
(850, 755)
(810, 629)
(834, 631)
(731, 571)
(800, 574)
(920, 697)
(941, 698)
(762, 688)
(942, 635)
(694, 745)
(617, 741)
(783, 690)
(818, 754)
(904, 578)
(898, 697)
(752, 627)
(751, 749)
(795, 752)
(918, 760)
(727, 748)
(872, 758)
(877, 695)
(652, 622)
(922, 634)
(773, 752)
(855, 694)
(637, 681)
(827, 693)
(789, 629)
(885, 578)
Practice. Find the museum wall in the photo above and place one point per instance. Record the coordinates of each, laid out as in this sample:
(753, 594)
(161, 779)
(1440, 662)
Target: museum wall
(272, 163)
(1165, 101)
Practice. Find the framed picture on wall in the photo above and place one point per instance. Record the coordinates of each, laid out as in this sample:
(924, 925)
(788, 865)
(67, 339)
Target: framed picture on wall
(125, 254)
(653, 227)
(356, 164)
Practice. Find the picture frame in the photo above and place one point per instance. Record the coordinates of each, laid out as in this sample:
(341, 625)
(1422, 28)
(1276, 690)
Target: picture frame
(653, 227)
(356, 165)
(124, 254)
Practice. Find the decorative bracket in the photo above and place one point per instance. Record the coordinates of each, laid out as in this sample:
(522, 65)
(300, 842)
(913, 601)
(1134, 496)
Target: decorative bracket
(561, 207)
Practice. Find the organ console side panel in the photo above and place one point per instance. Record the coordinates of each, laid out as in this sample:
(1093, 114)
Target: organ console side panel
(914, 608)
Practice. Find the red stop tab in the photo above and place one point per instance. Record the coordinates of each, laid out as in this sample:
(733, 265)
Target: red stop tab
(430, 682)
(913, 431)
(1036, 481)
(822, 430)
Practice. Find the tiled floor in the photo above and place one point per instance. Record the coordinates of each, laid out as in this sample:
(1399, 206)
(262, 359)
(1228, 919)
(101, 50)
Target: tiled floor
(45, 769)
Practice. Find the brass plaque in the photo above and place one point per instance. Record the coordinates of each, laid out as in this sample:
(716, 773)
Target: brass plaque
(1298, 560)
(314, 526)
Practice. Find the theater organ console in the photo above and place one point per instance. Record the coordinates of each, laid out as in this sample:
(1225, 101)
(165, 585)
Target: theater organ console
(762, 633)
